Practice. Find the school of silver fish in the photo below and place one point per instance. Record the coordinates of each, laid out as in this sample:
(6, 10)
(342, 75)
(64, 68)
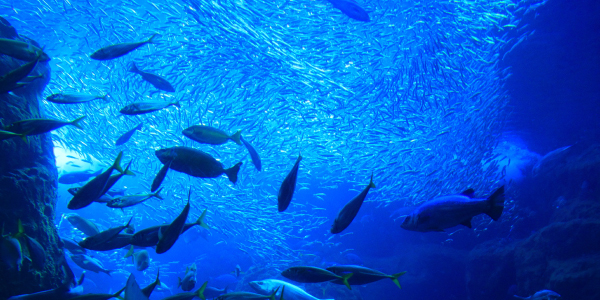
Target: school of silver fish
(414, 97)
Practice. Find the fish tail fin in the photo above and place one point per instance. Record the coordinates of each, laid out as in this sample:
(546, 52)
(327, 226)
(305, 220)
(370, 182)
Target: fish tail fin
(232, 173)
(129, 253)
(176, 103)
(108, 272)
(201, 220)
(179, 281)
(282, 290)
(151, 39)
(127, 171)
(345, 278)
(236, 137)
(105, 97)
(200, 292)
(133, 68)
(20, 230)
(496, 201)
(116, 295)
(395, 278)
(157, 194)
(371, 184)
(272, 296)
(76, 122)
(117, 164)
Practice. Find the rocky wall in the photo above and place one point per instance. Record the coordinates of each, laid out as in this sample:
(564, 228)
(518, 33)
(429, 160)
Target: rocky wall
(28, 180)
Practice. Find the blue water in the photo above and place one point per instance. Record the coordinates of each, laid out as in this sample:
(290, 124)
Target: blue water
(431, 97)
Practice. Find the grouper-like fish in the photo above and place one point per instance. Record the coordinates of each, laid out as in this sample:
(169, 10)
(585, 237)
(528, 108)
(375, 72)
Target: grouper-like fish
(196, 163)
(453, 210)
(118, 50)
(350, 210)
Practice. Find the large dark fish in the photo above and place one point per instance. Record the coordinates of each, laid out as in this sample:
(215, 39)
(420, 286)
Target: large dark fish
(253, 154)
(314, 275)
(351, 9)
(95, 241)
(453, 210)
(349, 211)
(127, 135)
(95, 187)
(76, 177)
(11, 81)
(118, 50)
(155, 80)
(73, 98)
(139, 108)
(40, 126)
(102, 199)
(117, 242)
(209, 135)
(286, 190)
(148, 237)
(22, 50)
(168, 237)
(362, 275)
(196, 163)
(160, 176)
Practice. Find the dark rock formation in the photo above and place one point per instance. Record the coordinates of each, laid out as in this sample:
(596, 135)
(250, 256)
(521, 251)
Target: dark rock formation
(563, 253)
(27, 183)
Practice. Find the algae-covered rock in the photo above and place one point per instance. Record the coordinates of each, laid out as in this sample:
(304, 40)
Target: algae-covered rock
(27, 184)
(562, 257)
(491, 270)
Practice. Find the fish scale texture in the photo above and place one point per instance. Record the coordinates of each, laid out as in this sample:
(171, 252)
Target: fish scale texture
(27, 185)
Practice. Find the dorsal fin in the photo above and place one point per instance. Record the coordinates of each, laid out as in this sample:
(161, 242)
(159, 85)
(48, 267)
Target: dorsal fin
(469, 193)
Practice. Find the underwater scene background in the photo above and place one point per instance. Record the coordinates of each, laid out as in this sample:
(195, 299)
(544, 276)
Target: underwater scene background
(424, 98)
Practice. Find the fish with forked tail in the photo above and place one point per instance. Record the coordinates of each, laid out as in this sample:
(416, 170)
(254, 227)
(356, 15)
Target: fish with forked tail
(453, 210)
